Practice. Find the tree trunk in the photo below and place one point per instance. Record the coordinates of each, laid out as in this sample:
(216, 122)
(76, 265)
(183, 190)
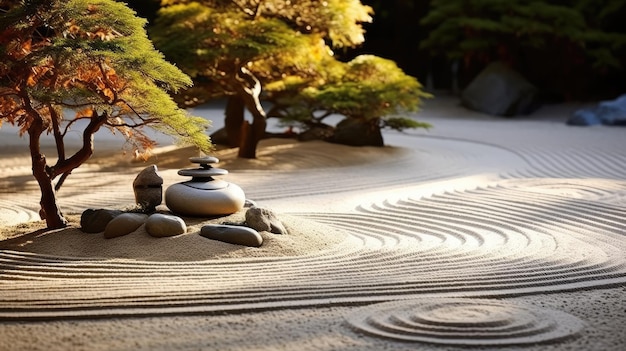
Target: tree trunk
(233, 119)
(247, 146)
(45, 174)
(50, 212)
(250, 139)
(249, 89)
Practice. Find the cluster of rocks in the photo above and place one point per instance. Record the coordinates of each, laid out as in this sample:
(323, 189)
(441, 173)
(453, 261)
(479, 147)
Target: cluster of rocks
(199, 197)
(116, 223)
(609, 113)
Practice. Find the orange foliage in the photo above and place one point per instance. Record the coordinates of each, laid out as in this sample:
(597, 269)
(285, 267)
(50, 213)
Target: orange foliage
(102, 33)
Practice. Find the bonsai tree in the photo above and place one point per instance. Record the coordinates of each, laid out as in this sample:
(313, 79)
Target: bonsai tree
(371, 92)
(232, 48)
(92, 57)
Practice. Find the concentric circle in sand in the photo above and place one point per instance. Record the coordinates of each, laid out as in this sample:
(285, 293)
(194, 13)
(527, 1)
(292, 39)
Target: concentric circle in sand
(464, 322)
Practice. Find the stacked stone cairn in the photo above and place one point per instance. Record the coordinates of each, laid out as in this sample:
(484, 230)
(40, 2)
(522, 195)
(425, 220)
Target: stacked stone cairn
(202, 196)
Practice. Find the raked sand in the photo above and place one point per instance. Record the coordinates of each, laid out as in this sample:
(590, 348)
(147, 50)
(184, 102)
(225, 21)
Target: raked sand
(499, 234)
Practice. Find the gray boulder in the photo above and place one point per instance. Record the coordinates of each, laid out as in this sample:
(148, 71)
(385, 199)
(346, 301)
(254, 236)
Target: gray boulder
(162, 225)
(95, 221)
(124, 224)
(500, 91)
(584, 117)
(148, 187)
(264, 220)
(232, 234)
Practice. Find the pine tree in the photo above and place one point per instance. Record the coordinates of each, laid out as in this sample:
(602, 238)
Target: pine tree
(92, 57)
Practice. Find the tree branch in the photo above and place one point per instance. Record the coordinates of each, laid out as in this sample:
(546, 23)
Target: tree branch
(61, 180)
(107, 82)
(7, 92)
(56, 130)
(136, 125)
(85, 151)
(69, 124)
(250, 86)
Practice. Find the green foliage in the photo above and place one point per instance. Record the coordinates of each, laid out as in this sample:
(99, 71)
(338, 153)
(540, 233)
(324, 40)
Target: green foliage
(94, 54)
(402, 123)
(339, 21)
(212, 43)
(93, 57)
(366, 88)
(343, 19)
(211, 39)
(488, 29)
(287, 46)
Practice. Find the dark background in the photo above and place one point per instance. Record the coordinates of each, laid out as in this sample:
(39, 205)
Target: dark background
(396, 34)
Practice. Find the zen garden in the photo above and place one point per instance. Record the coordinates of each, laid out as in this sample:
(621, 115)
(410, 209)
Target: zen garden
(312, 175)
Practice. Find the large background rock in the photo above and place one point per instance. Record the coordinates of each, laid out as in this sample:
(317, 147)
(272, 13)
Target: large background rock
(498, 90)
(354, 132)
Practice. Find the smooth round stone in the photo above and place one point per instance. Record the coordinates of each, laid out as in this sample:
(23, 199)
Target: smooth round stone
(187, 200)
(232, 234)
(124, 224)
(162, 225)
(95, 221)
(203, 172)
(209, 184)
(204, 159)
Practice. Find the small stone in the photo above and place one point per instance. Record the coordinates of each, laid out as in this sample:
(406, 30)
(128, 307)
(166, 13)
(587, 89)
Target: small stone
(203, 172)
(264, 220)
(204, 160)
(123, 224)
(95, 221)
(148, 187)
(162, 225)
(232, 234)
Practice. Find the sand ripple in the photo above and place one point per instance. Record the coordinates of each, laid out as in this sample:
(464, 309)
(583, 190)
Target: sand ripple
(494, 241)
(530, 221)
(12, 214)
(464, 322)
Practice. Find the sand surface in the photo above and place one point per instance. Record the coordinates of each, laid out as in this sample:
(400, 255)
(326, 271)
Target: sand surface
(499, 234)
